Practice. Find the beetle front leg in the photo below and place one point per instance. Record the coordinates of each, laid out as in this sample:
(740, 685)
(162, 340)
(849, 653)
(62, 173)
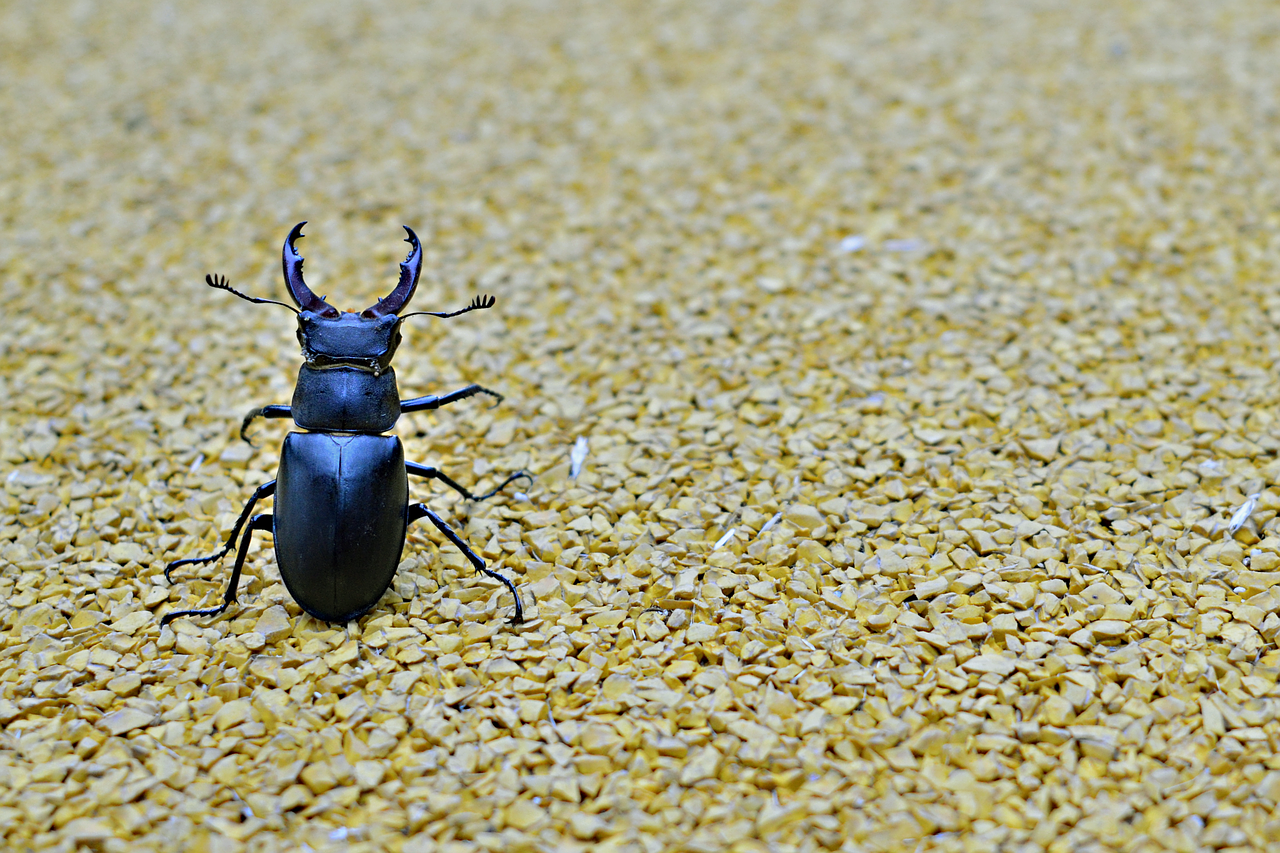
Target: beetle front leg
(419, 404)
(263, 412)
(266, 490)
(430, 473)
(417, 511)
(263, 521)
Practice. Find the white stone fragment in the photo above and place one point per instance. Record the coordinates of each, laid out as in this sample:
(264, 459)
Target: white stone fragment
(768, 525)
(853, 243)
(1242, 514)
(577, 456)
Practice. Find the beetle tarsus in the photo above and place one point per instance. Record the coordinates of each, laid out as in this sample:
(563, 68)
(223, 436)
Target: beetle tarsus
(193, 561)
(244, 425)
(417, 511)
(262, 521)
(516, 476)
(178, 614)
(266, 490)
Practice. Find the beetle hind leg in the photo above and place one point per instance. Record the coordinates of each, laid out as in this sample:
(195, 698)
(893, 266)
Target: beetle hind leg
(258, 522)
(429, 473)
(417, 511)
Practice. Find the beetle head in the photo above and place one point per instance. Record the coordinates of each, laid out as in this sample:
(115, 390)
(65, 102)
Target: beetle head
(330, 337)
(348, 339)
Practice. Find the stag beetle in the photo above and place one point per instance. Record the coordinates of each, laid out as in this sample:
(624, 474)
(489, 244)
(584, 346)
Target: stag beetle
(342, 491)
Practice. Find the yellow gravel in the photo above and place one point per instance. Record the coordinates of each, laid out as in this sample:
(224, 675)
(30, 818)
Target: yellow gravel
(916, 362)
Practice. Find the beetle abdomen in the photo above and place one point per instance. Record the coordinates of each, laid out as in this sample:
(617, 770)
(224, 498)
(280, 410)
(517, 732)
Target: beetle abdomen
(346, 399)
(339, 520)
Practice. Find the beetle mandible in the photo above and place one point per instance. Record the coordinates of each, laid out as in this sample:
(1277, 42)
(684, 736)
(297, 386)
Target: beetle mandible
(342, 490)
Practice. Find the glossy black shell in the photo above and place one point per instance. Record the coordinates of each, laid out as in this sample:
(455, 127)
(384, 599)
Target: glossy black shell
(340, 509)
(346, 399)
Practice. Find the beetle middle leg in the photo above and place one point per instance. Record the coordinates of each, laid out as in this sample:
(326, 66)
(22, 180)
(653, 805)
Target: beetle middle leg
(262, 521)
(417, 511)
(430, 473)
(266, 490)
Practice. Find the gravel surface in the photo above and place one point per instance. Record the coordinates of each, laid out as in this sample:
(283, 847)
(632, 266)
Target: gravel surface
(897, 379)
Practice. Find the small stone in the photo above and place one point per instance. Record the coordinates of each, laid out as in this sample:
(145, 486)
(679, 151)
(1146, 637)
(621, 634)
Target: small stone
(126, 684)
(501, 433)
(131, 623)
(236, 455)
(1043, 449)
(983, 664)
(87, 829)
(274, 624)
(901, 758)
(803, 516)
(931, 588)
(600, 739)
(1255, 582)
(700, 632)
(369, 774)
(126, 552)
(585, 827)
(1109, 629)
(319, 778)
(702, 764)
(125, 720)
(523, 814)
(232, 714)
(1100, 593)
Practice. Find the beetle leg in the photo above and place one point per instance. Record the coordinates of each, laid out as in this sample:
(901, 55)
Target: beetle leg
(417, 511)
(430, 473)
(265, 490)
(418, 404)
(258, 522)
(263, 412)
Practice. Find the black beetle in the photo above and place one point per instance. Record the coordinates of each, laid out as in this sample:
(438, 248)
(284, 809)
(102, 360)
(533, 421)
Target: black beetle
(342, 492)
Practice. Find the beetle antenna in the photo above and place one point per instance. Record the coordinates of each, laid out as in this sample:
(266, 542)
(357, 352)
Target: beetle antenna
(477, 304)
(219, 282)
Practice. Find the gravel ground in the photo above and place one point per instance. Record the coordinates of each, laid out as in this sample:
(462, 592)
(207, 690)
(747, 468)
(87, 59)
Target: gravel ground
(921, 355)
